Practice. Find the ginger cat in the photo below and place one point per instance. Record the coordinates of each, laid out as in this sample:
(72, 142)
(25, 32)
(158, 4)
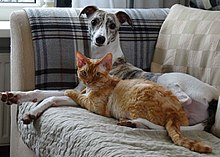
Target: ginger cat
(131, 99)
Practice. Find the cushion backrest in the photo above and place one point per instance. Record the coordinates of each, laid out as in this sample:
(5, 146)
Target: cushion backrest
(189, 42)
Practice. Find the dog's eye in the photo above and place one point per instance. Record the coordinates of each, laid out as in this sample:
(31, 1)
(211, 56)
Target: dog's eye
(94, 22)
(112, 26)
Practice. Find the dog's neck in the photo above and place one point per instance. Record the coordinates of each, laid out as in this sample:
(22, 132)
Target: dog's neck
(113, 47)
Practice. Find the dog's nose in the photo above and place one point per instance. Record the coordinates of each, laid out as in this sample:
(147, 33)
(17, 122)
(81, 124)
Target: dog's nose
(100, 40)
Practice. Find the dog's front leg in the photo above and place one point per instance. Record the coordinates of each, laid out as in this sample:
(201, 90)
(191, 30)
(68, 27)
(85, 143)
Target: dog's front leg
(17, 97)
(45, 104)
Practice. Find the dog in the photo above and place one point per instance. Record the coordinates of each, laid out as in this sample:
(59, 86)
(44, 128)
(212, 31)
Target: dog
(104, 38)
(103, 30)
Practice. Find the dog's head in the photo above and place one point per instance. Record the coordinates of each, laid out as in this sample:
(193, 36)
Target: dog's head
(103, 26)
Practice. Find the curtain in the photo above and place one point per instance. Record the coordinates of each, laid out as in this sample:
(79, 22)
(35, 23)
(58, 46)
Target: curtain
(100, 3)
(127, 3)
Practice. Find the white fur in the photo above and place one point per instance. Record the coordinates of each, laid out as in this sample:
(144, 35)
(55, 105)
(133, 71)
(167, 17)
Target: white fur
(195, 89)
(113, 47)
(52, 101)
(143, 123)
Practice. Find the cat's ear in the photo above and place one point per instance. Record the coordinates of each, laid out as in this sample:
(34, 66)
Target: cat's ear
(81, 60)
(106, 62)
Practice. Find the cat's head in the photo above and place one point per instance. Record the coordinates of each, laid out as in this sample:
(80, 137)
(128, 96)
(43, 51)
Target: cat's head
(93, 72)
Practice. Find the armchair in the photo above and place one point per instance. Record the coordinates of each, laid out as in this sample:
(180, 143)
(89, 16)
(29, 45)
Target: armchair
(43, 42)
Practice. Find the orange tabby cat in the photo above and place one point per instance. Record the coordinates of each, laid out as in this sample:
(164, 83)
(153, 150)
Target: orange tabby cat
(131, 99)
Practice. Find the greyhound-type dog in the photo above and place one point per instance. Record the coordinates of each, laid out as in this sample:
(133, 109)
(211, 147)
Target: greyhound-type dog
(103, 29)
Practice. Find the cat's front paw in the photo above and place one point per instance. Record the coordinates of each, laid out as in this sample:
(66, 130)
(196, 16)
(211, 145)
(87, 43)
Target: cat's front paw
(71, 93)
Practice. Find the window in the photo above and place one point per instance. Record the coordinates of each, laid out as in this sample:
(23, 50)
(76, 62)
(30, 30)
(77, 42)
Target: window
(17, 1)
(7, 6)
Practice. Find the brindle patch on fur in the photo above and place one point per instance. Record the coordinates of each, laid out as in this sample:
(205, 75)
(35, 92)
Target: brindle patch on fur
(125, 70)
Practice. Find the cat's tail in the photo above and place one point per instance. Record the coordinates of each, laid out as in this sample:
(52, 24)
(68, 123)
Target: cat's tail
(173, 130)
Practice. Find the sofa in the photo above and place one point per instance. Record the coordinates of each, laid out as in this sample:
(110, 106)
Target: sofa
(43, 43)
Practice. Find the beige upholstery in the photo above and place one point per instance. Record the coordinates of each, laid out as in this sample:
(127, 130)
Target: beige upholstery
(21, 69)
(190, 44)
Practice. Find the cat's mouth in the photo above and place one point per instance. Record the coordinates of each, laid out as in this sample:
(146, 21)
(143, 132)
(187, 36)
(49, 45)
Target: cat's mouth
(93, 86)
(88, 84)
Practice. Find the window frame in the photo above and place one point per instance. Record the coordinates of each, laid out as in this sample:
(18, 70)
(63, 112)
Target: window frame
(7, 8)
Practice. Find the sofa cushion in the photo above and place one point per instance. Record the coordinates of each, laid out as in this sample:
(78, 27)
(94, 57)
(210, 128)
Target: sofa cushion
(189, 42)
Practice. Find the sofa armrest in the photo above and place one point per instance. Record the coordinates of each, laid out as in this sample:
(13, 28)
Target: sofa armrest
(22, 73)
(22, 54)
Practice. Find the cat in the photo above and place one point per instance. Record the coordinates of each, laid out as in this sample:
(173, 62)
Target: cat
(110, 96)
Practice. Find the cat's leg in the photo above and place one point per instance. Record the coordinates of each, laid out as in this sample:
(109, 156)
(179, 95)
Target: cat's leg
(45, 104)
(18, 97)
(80, 99)
(85, 102)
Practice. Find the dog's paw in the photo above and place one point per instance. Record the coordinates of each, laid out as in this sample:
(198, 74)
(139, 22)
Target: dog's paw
(28, 118)
(126, 123)
(10, 98)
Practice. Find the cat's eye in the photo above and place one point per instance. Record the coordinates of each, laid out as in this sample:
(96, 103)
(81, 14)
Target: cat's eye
(83, 73)
(98, 74)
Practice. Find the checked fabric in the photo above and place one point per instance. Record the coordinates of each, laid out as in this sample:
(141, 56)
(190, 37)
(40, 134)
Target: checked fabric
(189, 42)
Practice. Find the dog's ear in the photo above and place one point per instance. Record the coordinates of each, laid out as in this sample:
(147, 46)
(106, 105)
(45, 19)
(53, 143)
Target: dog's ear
(89, 10)
(123, 17)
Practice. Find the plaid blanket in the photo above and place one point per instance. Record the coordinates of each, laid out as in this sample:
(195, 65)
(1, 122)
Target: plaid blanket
(205, 4)
(58, 33)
